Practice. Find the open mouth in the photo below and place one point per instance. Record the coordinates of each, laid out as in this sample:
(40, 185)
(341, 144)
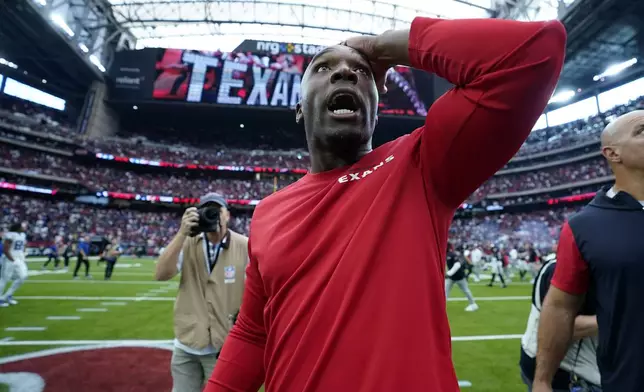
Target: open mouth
(343, 104)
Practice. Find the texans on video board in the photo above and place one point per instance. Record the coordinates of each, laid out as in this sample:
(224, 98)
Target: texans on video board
(262, 74)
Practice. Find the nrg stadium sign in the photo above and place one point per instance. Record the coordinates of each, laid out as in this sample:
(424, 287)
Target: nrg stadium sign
(287, 48)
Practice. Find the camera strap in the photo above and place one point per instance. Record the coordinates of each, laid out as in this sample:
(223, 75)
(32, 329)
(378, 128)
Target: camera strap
(212, 254)
(574, 378)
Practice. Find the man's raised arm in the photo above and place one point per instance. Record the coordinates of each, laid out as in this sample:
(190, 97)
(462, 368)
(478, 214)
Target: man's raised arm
(240, 367)
(504, 73)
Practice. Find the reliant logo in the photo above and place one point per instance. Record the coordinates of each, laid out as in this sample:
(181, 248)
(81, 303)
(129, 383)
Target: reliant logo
(360, 175)
(128, 80)
(290, 48)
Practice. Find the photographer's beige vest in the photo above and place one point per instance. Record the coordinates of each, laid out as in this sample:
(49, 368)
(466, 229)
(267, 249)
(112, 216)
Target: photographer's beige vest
(206, 304)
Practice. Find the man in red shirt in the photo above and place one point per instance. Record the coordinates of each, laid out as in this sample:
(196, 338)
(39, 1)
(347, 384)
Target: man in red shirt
(344, 288)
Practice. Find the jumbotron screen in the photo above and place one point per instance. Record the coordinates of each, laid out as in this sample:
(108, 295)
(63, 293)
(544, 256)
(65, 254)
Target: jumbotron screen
(254, 78)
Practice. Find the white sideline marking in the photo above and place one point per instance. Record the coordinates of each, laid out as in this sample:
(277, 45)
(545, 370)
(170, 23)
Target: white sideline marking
(146, 294)
(464, 384)
(83, 342)
(8, 338)
(68, 298)
(93, 258)
(31, 281)
(134, 342)
(25, 329)
(152, 297)
(113, 303)
(91, 310)
(509, 298)
(63, 318)
(484, 337)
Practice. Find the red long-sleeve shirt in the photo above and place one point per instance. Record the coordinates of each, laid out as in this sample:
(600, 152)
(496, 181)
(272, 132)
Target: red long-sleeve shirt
(344, 289)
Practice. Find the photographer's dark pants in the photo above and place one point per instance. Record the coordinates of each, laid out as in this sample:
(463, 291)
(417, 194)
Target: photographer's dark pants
(109, 267)
(50, 258)
(66, 256)
(80, 260)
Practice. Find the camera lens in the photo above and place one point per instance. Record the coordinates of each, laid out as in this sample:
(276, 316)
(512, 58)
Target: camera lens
(211, 214)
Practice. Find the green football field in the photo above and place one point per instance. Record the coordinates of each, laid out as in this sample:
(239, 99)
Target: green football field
(58, 312)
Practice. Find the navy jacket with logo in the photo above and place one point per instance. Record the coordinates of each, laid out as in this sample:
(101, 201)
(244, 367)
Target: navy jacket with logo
(601, 249)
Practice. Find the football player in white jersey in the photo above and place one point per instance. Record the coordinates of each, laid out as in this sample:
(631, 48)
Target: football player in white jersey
(476, 257)
(14, 267)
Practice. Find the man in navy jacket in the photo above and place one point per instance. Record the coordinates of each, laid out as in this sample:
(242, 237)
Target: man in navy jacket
(601, 251)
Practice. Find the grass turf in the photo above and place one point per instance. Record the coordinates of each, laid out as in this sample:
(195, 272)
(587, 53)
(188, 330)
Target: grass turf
(490, 365)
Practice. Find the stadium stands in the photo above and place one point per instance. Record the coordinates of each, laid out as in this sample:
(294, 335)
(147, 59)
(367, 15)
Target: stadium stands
(36, 148)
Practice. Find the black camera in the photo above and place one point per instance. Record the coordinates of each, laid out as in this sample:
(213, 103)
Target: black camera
(209, 220)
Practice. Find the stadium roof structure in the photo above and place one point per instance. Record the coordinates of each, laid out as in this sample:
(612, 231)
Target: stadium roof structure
(602, 33)
(211, 24)
(64, 42)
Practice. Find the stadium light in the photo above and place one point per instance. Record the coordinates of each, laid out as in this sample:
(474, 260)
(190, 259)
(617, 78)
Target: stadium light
(97, 62)
(615, 69)
(8, 63)
(84, 48)
(60, 22)
(41, 2)
(562, 96)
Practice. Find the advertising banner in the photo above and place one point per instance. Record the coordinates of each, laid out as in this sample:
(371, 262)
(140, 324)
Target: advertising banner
(258, 74)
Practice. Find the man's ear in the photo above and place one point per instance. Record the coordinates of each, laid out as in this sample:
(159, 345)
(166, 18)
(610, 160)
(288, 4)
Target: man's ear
(611, 154)
(298, 113)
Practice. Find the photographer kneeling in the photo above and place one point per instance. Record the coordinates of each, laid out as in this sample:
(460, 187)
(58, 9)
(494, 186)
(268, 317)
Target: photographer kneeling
(212, 261)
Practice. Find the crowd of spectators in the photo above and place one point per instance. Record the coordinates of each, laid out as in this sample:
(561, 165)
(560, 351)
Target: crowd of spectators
(102, 178)
(539, 228)
(49, 219)
(576, 132)
(105, 178)
(577, 172)
(39, 119)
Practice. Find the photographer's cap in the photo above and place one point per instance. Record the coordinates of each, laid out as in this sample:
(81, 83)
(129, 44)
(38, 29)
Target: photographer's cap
(213, 198)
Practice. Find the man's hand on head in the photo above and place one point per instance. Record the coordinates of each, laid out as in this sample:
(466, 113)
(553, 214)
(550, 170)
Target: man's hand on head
(367, 46)
(383, 52)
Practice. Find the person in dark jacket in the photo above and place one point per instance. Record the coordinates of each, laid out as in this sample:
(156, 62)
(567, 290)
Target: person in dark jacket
(601, 258)
(455, 275)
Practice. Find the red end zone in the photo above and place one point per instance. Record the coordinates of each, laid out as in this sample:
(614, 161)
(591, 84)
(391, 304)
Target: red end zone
(85, 369)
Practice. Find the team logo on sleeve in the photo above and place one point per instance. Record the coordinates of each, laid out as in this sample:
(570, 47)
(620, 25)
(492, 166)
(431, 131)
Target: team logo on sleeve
(229, 274)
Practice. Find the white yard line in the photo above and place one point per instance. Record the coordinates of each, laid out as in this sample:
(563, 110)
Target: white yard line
(113, 303)
(8, 338)
(508, 298)
(32, 281)
(63, 317)
(484, 337)
(73, 298)
(83, 342)
(25, 329)
(89, 310)
(148, 296)
(144, 342)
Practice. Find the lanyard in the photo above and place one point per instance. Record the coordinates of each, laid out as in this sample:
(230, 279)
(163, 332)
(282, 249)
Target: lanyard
(212, 259)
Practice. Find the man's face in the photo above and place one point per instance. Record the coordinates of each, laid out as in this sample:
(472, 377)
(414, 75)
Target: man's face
(339, 98)
(224, 218)
(631, 148)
